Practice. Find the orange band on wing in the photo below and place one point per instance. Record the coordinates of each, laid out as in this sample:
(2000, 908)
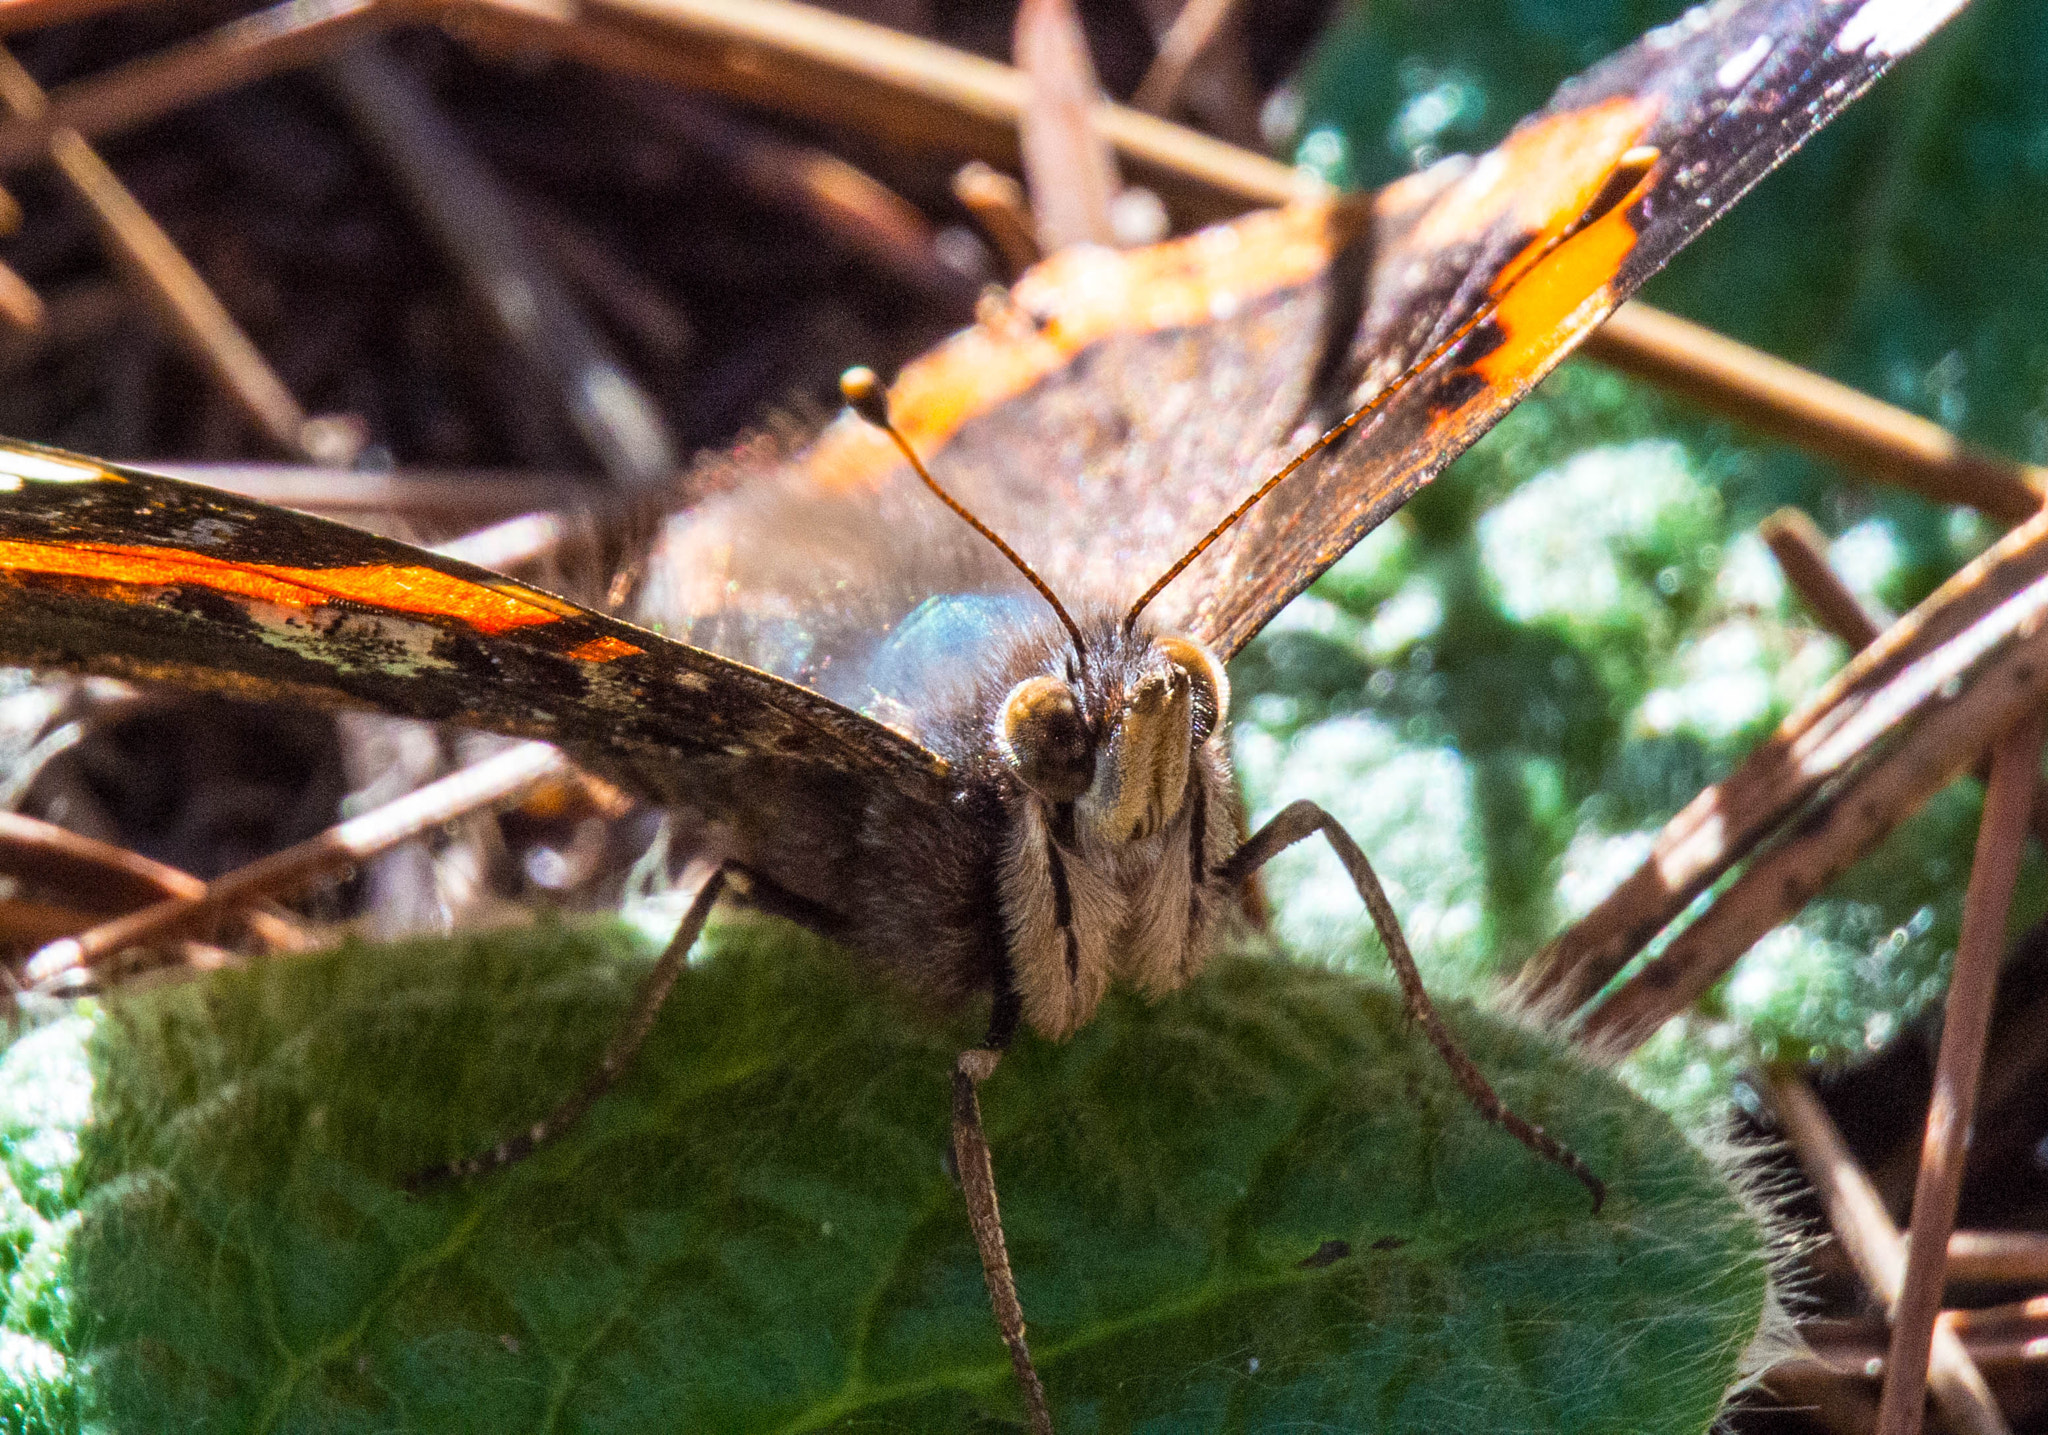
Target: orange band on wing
(603, 650)
(1540, 180)
(400, 587)
(1082, 296)
(1539, 313)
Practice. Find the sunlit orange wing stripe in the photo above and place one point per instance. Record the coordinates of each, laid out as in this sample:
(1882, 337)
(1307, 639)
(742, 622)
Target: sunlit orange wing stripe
(1562, 295)
(402, 588)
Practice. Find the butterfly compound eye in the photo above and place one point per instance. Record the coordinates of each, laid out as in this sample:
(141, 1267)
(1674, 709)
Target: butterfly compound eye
(1044, 738)
(1208, 687)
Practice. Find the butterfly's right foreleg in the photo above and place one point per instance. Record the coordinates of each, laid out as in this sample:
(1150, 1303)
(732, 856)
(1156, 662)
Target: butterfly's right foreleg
(626, 1042)
(1299, 820)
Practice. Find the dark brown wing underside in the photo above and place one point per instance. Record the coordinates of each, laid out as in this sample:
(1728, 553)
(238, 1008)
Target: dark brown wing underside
(112, 571)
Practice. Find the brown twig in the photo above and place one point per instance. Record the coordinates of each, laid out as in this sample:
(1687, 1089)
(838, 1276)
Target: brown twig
(2013, 1062)
(2014, 764)
(1998, 1257)
(29, 924)
(21, 308)
(482, 231)
(1217, 87)
(1815, 413)
(94, 874)
(1831, 1397)
(283, 37)
(1801, 552)
(1866, 1231)
(509, 545)
(461, 500)
(459, 496)
(628, 299)
(998, 205)
(483, 784)
(1880, 693)
(1069, 168)
(869, 218)
(1997, 1338)
(97, 877)
(2027, 1317)
(925, 96)
(1194, 29)
(19, 15)
(168, 280)
(1935, 739)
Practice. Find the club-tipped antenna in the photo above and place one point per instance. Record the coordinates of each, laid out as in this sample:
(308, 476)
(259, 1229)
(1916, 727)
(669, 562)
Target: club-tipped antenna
(1622, 183)
(864, 392)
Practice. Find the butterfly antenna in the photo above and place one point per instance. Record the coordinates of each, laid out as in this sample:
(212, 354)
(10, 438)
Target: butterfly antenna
(1622, 183)
(1230, 519)
(870, 400)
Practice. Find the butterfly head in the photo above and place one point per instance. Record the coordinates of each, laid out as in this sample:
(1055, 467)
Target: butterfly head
(1120, 808)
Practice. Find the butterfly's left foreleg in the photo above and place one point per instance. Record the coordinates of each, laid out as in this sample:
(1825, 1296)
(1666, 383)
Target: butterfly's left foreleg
(978, 1185)
(1304, 819)
(647, 1003)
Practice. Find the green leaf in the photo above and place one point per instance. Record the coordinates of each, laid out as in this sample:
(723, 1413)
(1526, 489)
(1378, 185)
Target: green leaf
(45, 1094)
(757, 1232)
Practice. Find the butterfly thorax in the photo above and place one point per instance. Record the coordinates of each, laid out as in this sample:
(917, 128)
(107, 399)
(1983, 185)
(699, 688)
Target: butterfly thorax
(1107, 801)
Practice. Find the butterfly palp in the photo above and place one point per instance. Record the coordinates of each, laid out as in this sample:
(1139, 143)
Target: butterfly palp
(1209, 686)
(865, 395)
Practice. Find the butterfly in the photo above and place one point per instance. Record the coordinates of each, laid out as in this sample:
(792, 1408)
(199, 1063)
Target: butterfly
(997, 770)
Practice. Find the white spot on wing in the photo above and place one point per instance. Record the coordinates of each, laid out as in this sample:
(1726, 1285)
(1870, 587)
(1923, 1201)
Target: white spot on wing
(1892, 27)
(1489, 172)
(1739, 67)
(17, 468)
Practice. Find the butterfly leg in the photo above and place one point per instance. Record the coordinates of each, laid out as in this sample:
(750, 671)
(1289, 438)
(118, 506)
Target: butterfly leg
(1299, 820)
(625, 1043)
(978, 1184)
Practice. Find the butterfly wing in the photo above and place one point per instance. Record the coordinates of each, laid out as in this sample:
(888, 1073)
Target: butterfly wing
(109, 570)
(1723, 95)
(1120, 403)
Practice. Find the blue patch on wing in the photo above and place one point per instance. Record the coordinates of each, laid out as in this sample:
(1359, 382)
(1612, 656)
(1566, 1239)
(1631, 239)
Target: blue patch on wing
(941, 645)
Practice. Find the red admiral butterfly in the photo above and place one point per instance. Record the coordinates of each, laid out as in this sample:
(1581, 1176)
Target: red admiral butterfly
(883, 731)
